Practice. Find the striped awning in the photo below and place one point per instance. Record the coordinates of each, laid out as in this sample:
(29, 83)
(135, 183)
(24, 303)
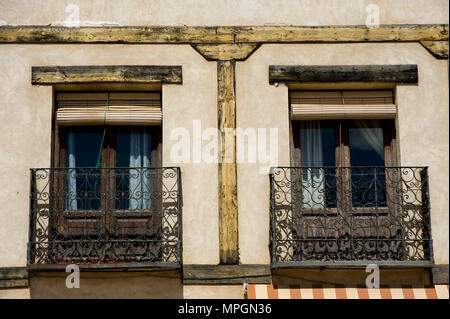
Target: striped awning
(257, 291)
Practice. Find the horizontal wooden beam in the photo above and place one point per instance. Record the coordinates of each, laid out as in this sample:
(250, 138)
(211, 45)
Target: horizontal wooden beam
(226, 274)
(233, 34)
(343, 73)
(178, 35)
(342, 33)
(48, 75)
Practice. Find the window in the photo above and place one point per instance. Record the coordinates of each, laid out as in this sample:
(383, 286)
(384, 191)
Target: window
(344, 198)
(336, 154)
(127, 153)
(109, 178)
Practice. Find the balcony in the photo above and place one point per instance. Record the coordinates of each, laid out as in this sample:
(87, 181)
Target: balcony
(106, 216)
(350, 216)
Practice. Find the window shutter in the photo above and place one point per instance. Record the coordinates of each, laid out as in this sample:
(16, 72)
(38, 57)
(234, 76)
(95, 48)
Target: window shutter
(123, 109)
(327, 105)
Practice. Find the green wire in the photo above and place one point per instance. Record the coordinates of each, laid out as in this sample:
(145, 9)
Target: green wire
(99, 164)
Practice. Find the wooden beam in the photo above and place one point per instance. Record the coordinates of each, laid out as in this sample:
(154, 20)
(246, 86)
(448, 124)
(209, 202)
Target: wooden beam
(341, 33)
(233, 34)
(439, 49)
(225, 52)
(343, 73)
(132, 34)
(226, 109)
(49, 75)
(226, 274)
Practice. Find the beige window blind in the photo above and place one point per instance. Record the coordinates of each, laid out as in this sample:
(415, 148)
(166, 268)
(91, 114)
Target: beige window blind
(317, 105)
(123, 109)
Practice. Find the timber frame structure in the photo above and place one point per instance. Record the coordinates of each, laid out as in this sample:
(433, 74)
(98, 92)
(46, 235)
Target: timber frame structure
(226, 45)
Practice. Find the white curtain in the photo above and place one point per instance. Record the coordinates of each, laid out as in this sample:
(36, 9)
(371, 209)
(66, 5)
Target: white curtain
(139, 183)
(313, 179)
(71, 193)
(372, 135)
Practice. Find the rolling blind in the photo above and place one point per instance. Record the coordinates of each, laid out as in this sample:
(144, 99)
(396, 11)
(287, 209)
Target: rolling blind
(123, 108)
(317, 105)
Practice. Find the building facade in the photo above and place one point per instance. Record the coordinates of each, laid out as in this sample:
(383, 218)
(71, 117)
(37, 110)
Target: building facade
(224, 150)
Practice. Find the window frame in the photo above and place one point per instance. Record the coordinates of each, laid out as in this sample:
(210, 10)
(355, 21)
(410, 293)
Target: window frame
(108, 215)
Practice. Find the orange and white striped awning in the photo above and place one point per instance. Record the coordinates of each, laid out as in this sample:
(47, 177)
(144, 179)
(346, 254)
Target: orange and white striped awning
(257, 291)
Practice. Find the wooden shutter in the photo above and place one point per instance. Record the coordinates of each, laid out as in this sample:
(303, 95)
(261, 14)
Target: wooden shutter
(123, 109)
(318, 105)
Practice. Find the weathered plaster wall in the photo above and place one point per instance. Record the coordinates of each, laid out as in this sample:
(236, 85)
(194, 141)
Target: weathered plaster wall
(21, 293)
(25, 121)
(223, 12)
(213, 291)
(120, 285)
(104, 285)
(423, 128)
(25, 116)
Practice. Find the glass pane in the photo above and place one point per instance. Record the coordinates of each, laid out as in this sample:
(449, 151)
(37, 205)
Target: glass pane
(367, 150)
(317, 151)
(133, 179)
(83, 180)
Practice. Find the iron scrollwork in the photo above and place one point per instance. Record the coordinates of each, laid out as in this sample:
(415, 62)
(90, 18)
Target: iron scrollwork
(106, 215)
(348, 214)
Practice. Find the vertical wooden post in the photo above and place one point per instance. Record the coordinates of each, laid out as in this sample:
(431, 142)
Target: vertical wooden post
(226, 111)
(226, 56)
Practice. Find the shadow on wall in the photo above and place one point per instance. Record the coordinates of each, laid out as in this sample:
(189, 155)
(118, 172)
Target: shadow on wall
(106, 285)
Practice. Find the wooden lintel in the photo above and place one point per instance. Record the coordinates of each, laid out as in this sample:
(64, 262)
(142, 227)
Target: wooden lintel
(224, 52)
(439, 49)
(233, 34)
(226, 274)
(226, 113)
(343, 73)
(49, 75)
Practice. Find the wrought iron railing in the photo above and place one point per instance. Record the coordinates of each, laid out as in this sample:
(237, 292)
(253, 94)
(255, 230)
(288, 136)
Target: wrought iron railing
(350, 215)
(106, 215)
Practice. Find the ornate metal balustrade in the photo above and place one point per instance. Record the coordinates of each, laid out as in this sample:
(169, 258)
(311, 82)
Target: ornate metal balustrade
(106, 215)
(350, 216)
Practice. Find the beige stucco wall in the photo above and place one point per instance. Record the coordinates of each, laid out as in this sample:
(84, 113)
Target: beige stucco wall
(25, 121)
(19, 293)
(213, 291)
(106, 285)
(25, 115)
(122, 286)
(224, 12)
(423, 127)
